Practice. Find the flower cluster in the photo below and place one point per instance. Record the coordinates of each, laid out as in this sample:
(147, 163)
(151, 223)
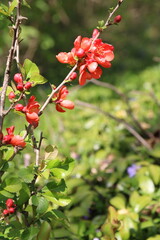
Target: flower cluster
(89, 54)
(59, 99)
(10, 207)
(14, 140)
(30, 110)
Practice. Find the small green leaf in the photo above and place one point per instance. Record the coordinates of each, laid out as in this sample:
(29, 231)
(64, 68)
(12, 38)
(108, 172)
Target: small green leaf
(12, 185)
(155, 173)
(58, 199)
(156, 237)
(12, 6)
(59, 186)
(118, 201)
(4, 9)
(24, 194)
(51, 152)
(42, 205)
(139, 202)
(30, 68)
(61, 169)
(7, 153)
(146, 184)
(26, 4)
(44, 233)
(36, 78)
(26, 174)
(58, 214)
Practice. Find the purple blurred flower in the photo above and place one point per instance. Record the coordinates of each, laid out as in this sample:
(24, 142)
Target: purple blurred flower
(96, 238)
(132, 170)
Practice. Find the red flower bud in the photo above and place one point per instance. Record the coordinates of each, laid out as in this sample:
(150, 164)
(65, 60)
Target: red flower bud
(73, 76)
(19, 107)
(117, 19)
(28, 85)
(9, 202)
(5, 212)
(80, 53)
(20, 87)
(11, 210)
(95, 33)
(11, 95)
(18, 78)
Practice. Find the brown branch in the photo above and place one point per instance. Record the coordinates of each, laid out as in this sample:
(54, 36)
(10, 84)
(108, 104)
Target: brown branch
(119, 120)
(8, 66)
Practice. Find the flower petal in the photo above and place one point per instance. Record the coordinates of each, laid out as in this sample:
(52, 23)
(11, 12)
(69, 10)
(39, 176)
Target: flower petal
(92, 67)
(67, 104)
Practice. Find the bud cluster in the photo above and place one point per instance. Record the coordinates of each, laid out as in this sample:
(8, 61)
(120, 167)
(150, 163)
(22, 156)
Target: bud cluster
(20, 85)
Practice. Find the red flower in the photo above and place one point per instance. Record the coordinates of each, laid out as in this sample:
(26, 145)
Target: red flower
(88, 53)
(14, 140)
(18, 141)
(103, 53)
(31, 111)
(59, 99)
(64, 57)
(81, 46)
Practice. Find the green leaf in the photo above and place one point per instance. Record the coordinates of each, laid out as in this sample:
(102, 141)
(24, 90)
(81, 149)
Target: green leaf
(118, 201)
(156, 151)
(61, 169)
(58, 214)
(24, 194)
(30, 233)
(146, 184)
(155, 173)
(43, 205)
(26, 4)
(139, 202)
(4, 9)
(26, 174)
(51, 152)
(7, 153)
(5, 194)
(58, 199)
(12, 6)
(59, 186)
(32, 73)
(44, 233)
(156, 237)
(12, 185)
(36, 78)
(30, 68)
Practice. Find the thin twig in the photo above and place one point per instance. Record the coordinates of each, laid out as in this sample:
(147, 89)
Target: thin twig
(119, 120)
(55, 90)
(112, 13)
(8, 67)
(126, 100)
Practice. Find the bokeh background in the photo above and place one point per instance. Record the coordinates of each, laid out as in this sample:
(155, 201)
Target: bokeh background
(102, 148)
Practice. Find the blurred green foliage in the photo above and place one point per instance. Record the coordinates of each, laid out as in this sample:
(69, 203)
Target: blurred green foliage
(102, 148)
